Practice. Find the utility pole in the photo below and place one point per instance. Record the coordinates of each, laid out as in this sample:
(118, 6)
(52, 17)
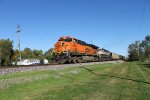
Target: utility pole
(18, 31)
(138, 51)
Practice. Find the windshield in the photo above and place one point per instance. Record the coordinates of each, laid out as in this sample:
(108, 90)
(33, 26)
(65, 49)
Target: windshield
(65, 40)
(68, 39)
(61, 39)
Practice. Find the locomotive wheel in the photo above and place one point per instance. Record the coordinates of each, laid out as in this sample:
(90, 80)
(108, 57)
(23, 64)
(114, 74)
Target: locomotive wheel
(79, 60)
(54, 62)
(74, 60)
(61, 61)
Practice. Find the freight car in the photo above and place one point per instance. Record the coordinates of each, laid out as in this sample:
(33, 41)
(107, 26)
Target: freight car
(114, 56)
(71, 50)
(104, 55)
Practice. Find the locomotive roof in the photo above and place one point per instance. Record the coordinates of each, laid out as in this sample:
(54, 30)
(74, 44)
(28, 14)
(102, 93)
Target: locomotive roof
(81, 42)
(86, 44)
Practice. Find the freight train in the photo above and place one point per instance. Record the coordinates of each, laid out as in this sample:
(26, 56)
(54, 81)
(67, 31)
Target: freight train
(71, 50)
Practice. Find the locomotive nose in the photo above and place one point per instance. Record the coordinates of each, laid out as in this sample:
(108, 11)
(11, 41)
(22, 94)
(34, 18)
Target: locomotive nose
(62, 44)
(60, 47)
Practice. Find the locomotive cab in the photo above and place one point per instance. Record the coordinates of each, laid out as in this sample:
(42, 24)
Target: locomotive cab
(62, 49)
(63, 45)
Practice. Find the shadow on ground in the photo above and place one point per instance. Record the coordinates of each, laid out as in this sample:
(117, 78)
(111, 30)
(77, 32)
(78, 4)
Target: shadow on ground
(145, 65)
(117, 77)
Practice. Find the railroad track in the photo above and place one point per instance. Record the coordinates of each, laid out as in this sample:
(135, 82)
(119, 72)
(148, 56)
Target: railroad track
(17, 66)
(16, 69)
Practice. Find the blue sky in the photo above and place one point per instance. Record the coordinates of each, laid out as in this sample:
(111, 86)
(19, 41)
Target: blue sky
(110, 24)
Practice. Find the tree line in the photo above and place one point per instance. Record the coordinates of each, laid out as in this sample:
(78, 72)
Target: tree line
(9, 55)
(139, 50)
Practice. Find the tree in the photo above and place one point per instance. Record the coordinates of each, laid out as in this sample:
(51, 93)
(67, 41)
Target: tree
(133, 51)
(140, 50)
(39, 55)
(48, 54)
(15, 56)
(6, 52)
(147, 47)
(27, 53)
(147, 38)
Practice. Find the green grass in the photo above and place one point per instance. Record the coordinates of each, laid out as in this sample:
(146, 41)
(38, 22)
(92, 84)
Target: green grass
(125, 81)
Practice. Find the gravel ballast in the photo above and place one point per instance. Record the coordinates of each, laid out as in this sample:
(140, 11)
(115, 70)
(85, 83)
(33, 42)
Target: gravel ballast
(12, 70)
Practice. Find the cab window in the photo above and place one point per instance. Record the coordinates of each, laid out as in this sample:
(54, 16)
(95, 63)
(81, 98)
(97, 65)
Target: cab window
(61, 39)
(68, 39)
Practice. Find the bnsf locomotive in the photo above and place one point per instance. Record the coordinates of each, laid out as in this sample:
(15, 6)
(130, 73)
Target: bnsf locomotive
(71, 50)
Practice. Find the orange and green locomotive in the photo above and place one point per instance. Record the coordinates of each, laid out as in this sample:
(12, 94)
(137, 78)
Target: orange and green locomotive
(71, 50)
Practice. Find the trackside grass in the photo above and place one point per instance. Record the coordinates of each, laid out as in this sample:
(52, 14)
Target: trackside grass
(111, 81)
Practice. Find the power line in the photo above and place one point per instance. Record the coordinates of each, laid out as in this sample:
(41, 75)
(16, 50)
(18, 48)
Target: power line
(142, 16)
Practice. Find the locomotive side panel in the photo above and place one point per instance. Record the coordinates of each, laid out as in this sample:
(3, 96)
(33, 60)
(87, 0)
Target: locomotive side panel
(69, 49)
